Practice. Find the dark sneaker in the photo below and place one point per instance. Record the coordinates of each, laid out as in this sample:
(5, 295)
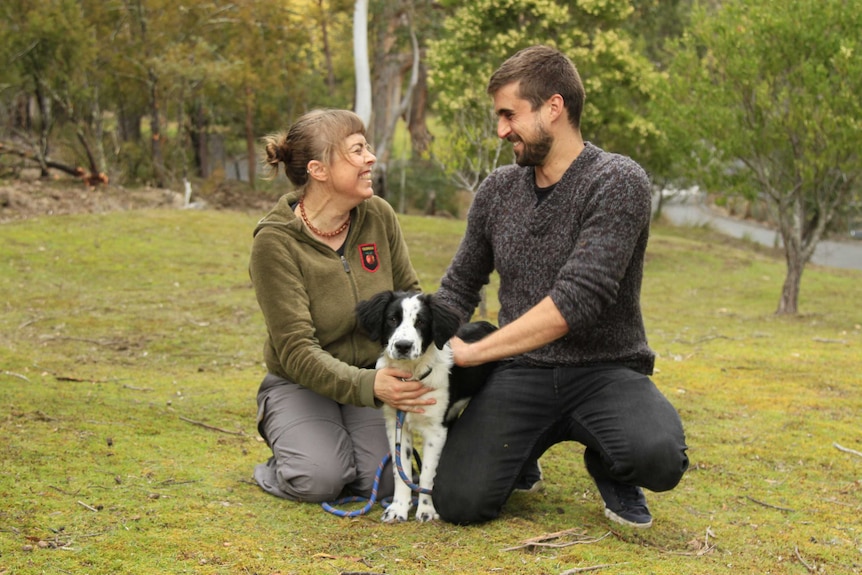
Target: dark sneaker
(624, 504)
(531, 479)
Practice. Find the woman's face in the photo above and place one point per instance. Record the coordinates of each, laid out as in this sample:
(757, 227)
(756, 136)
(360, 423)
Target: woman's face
(351, 169)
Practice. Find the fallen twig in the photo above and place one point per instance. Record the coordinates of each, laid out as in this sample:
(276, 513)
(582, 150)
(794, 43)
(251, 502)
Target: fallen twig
(811, 568)
(75, 379)
(701, 548)
(175, 482)
(81, 339)
(55, 488)
(543, 540)
(211, 427)
(826, 340)
(29, 322)
(846, 449)
(18, 375)
(133, 388)
(82, 380)
(590, 568)
(90, 507)
(769, 504)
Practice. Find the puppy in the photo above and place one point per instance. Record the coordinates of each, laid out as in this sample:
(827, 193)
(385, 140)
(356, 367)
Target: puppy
(414, 330)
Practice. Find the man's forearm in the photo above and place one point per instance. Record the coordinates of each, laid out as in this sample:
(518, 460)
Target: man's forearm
(541, 325)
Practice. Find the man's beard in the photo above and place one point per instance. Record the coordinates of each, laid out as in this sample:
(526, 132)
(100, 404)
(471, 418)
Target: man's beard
(534, 153)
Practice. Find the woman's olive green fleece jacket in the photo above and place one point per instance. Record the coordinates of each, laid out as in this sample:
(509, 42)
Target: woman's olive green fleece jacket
(308, 295)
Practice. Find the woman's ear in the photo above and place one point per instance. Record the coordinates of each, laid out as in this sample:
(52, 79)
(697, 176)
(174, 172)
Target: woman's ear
(317, 170)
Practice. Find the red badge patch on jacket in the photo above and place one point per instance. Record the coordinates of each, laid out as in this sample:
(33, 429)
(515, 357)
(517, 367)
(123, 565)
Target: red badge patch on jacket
(369, 257)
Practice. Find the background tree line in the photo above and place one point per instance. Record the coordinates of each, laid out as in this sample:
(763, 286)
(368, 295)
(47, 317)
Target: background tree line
(143, 90)
(752, 99)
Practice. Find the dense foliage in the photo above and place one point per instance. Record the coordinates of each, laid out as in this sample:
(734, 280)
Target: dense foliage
(481, 34)
(763, 102)
(152, 91)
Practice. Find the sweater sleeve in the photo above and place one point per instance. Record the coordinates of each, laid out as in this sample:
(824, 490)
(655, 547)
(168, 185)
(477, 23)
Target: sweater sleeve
(614, 225)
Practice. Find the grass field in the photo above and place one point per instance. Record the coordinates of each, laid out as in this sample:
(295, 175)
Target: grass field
(130, 355)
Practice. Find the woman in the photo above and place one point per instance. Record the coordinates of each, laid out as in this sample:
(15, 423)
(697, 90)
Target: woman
(323, 248)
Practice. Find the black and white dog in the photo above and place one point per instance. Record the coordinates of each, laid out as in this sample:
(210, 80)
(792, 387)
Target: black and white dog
(414, 329)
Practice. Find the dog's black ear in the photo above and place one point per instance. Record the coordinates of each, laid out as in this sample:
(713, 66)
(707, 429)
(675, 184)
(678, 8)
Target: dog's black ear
(474, 331)
(370, 313)
(445, 319)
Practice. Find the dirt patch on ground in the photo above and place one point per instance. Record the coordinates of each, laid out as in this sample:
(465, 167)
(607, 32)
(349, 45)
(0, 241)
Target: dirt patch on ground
(24, 199)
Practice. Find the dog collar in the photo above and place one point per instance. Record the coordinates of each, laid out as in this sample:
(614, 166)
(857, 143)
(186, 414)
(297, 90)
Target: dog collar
(427, 373)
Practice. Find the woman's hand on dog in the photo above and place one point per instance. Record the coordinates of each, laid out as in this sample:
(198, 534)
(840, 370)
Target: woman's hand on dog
(395, 388)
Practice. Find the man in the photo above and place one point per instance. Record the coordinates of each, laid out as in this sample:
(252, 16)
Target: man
(566, 229)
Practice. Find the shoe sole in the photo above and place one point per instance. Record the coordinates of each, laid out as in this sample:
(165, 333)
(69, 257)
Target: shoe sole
(536, 487)
(623, 521)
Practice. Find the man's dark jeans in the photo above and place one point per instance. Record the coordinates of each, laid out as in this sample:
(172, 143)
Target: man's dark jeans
(624, 421)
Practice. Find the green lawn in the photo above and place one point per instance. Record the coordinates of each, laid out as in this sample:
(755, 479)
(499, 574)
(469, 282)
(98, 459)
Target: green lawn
(130, 354)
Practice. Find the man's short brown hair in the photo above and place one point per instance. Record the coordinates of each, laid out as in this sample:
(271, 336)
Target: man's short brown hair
(541, 72)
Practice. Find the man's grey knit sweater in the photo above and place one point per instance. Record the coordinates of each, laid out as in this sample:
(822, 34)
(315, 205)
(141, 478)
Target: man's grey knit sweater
(583, 246)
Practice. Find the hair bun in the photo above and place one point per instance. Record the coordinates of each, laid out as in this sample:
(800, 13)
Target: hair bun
(273, 153)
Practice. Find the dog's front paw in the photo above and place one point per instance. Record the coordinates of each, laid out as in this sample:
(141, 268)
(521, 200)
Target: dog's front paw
(425, 511)
(396, 512)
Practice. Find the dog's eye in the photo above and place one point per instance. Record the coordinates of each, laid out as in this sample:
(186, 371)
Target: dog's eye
(392, 321)
(420, 322)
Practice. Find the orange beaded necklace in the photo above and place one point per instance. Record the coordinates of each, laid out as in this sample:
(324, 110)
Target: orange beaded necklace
(317, 231)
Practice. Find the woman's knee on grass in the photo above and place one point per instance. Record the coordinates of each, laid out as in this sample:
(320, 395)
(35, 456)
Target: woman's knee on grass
(317, 484)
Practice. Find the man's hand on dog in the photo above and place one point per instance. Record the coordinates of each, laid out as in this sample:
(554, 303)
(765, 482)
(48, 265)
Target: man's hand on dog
(395, 388)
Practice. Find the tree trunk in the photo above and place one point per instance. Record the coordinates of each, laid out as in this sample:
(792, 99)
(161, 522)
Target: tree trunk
(249, 135)
(99, 132)
(360, 61)
(184, 132)
(327, 50)
(138, 11)
(46, 123)
(790, 225)
(20, 117)
(91, 159)
(129, 124)
(200, 140)
(391, 102)
(420, 137)
(789, 303)
(387, 92)
(155, 132)
(386, 87)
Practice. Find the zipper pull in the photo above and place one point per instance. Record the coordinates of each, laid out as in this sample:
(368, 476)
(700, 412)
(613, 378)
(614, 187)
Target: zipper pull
(345, 264)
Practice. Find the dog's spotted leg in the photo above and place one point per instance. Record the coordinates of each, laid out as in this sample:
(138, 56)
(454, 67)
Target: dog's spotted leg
(402, 500)
(433, 439)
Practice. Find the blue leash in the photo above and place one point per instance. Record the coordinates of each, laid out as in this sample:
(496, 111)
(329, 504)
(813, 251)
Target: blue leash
(371, 500)
(330, 507)
(399, 423)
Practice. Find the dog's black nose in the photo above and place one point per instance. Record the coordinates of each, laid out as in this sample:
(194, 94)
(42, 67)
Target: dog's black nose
(403, 347)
